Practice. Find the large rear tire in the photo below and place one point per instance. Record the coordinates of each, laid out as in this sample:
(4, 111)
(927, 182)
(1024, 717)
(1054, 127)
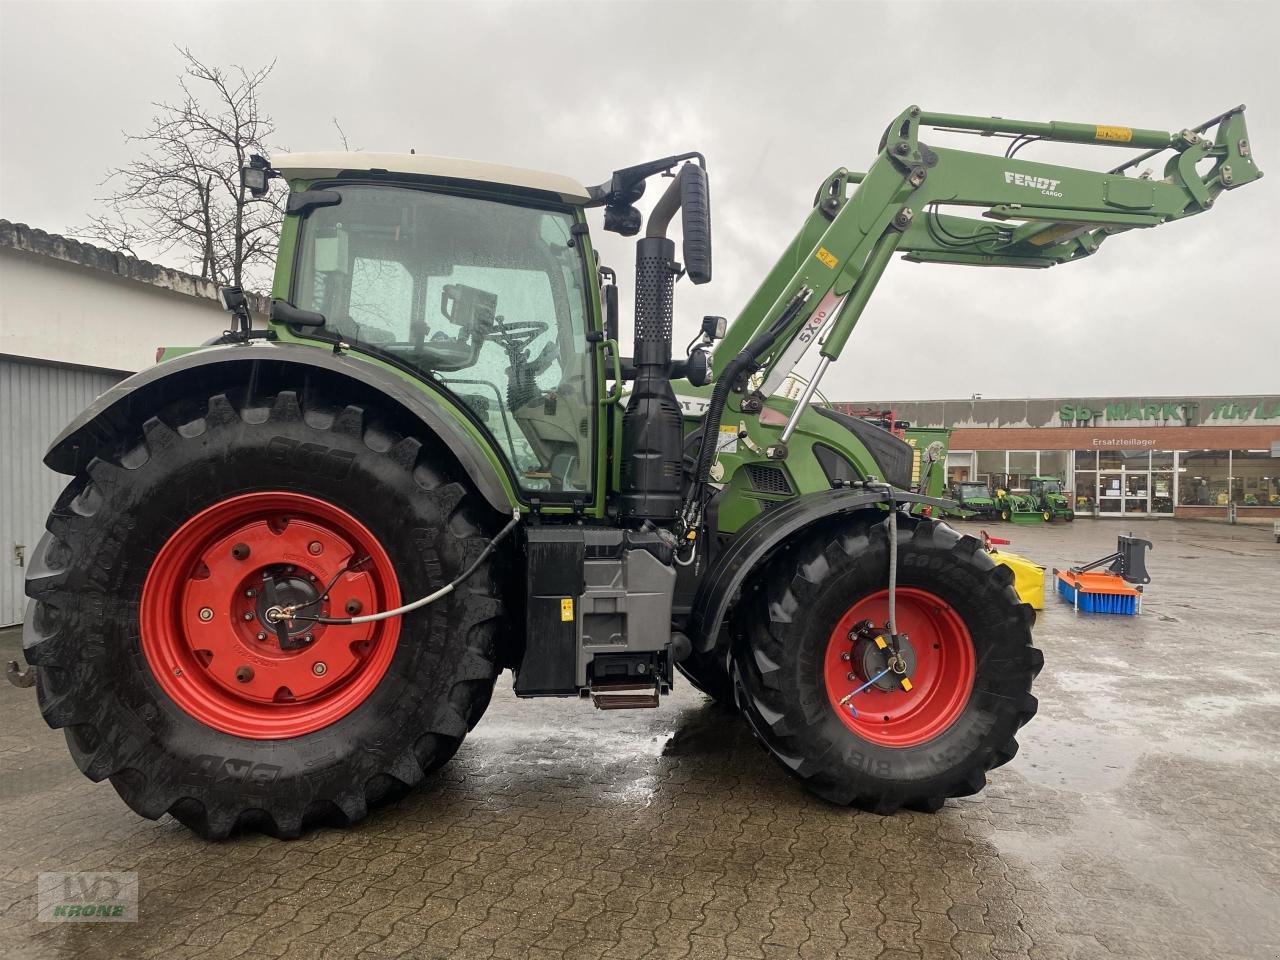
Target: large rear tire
(146, 620)
(973, 665)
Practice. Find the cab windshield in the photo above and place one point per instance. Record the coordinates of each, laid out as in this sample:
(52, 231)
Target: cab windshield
(971, 491)
(1051, 486)
(485, 297)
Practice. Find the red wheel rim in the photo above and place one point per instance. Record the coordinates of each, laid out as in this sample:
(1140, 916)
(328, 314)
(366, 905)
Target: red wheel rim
(202, 626)
(940, 683)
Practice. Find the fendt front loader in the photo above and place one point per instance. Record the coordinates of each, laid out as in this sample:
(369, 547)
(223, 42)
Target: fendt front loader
(291, 563)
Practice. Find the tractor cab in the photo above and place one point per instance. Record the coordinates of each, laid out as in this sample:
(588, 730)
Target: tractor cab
(471, 276)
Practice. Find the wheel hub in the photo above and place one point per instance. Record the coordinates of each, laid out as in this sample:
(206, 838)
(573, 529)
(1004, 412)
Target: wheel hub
(871, 661)
(208, 635)
(930, 675)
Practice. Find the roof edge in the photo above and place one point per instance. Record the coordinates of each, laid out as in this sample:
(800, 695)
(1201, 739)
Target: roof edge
(54, 246)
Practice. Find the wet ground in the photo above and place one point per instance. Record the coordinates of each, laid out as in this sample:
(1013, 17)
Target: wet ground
(1140, 819)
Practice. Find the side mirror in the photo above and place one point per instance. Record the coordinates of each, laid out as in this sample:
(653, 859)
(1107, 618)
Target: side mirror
(695, 222)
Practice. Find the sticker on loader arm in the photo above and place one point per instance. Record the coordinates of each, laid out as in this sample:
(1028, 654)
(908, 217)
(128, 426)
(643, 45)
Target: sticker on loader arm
(826, 258)
(728, 442)
(566, 610)
(1116, 134)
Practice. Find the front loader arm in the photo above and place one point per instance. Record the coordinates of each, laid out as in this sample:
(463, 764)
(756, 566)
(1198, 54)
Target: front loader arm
(1029, 214)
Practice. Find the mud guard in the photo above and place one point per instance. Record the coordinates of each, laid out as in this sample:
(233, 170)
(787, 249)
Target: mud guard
(760, 538)
(135, 398)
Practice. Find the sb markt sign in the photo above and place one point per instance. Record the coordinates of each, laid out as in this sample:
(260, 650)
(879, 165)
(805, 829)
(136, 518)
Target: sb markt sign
(1165, 411)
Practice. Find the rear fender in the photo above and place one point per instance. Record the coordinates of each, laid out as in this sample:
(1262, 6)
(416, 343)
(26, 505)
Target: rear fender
(760, 539)
(116, 415)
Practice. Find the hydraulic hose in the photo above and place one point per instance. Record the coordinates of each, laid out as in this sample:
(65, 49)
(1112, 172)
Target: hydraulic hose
(724, 383)
(419, 603)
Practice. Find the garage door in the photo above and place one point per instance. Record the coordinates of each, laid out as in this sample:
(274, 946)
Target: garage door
(37, 401)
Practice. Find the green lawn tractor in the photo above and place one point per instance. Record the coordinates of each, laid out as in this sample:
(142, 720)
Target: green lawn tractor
(1013, 507)
(290, 564)
(1049, 497)
(974, 500)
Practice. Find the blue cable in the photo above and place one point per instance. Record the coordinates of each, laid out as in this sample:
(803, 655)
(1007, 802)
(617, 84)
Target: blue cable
(863, 687)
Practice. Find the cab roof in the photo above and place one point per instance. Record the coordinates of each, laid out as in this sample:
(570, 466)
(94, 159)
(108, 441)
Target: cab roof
(315, 166)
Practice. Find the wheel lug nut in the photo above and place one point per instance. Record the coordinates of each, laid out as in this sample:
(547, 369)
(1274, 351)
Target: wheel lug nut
(240, 551)
(206, 614)
(262, 636)
(851, 676)
(244, 673)
(307, 638)
(318, 668)
(315, 548)
(846, 656)
(251, 592)
(248, 616)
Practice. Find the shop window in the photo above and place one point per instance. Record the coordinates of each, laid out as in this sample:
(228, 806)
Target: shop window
(1255, 478)
(1161, 459)
(1204, 478)
(1161, 491)
(1086, 459)
(959, 466)
(1022, 467)
(990, 462)
(1086, 490)
(1111, 459)
(1053, 463)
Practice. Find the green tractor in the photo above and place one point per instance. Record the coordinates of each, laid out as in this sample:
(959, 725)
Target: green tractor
(290, 564)
(1011, 506)
(974, 499)
(1050, 498)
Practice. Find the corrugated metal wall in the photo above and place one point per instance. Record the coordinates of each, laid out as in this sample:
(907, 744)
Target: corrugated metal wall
(36, 401)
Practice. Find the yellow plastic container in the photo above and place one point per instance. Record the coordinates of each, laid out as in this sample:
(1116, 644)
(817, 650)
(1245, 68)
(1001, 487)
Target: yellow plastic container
(1028, 577)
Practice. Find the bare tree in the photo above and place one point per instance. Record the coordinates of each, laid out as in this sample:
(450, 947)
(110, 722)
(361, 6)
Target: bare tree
(182, 194)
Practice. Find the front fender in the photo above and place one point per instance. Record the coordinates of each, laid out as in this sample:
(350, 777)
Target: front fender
(259, 365)
(765, 534)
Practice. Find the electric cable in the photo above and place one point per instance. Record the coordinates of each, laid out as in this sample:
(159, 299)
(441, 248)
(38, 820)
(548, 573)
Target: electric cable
(1019, 143)
(416, 604)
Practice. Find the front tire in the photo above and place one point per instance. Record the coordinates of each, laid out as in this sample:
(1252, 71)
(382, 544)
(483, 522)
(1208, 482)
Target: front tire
(155, 657)
(974, 665)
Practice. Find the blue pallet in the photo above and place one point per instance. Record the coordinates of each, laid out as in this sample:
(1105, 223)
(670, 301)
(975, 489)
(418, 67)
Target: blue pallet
(1125, 604)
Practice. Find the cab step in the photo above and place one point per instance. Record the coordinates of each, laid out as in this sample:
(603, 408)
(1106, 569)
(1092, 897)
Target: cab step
(625, 696)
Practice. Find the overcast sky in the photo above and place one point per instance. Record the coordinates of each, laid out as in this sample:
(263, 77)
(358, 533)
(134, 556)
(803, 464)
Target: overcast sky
(777, 95)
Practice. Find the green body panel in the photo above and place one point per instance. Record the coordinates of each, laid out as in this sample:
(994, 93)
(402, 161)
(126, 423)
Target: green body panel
(740, 502)
(935, 478)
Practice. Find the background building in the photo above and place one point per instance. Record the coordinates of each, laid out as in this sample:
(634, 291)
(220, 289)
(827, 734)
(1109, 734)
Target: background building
(1123, 456)
(74, 320)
